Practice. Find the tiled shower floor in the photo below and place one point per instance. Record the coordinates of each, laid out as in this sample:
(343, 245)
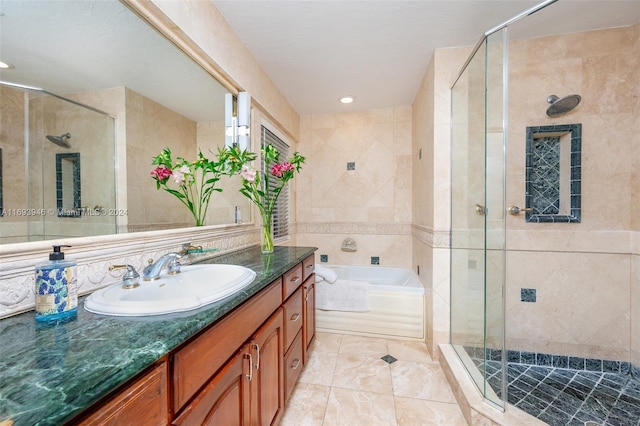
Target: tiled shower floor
(560, 396)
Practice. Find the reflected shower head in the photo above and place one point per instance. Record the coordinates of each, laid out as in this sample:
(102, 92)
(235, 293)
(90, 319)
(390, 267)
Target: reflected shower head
(562, 106)
(60, 140)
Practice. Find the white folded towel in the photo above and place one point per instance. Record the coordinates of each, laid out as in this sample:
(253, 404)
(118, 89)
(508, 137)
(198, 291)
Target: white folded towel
(329, 275)
(343, 295)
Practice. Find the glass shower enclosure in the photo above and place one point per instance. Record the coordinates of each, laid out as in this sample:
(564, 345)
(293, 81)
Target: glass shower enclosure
(478, 210)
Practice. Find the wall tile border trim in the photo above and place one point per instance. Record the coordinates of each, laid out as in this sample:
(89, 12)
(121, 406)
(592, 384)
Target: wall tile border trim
(354, 228)
(436, 238)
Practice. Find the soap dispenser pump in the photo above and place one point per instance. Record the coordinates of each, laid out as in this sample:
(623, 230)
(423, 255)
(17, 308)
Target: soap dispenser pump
(56, 287)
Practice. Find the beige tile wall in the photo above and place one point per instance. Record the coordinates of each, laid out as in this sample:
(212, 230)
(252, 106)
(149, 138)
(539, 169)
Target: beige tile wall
(371, 204)
(430, 192)
(13, 165)
(581, 271)
(150, 128)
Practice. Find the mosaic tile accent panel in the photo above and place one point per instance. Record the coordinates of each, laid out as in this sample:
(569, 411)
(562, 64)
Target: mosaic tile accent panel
(74, 158)
(528, 295)
(551, 180)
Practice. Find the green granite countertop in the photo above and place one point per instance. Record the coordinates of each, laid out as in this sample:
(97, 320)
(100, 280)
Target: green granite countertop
(51, 373)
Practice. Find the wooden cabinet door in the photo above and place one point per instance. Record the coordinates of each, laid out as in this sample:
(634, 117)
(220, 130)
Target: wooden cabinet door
(145, 402)
(195, 364)
(309, 329)
(225, 400)
(267, 383)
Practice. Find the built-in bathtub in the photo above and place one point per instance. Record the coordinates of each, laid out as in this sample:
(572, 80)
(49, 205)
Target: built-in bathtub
(396, 300)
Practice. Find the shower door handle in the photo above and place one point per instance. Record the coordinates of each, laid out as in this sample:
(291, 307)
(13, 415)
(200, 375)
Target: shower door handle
(514, 210)
(480, 209)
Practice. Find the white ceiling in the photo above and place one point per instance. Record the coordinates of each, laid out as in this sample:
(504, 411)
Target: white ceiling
(317, 51)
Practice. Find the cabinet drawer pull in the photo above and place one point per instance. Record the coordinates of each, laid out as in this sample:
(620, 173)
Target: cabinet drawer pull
(295, 317)
(257, 348)
(250, 375)
(295, 364)
(294, 279)
(309, 266)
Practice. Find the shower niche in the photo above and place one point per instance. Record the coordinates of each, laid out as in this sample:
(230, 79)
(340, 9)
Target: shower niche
(553, 173)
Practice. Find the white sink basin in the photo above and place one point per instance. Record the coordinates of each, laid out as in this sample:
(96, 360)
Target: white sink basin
(193, 287)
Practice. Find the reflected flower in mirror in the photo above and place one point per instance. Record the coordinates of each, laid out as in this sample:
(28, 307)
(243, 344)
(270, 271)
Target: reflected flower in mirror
(193, 181)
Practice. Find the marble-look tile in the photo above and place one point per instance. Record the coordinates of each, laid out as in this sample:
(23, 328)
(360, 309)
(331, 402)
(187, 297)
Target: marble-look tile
(421, 381)
(409, 351)
(414, 412)
(327, 342)
(319, 368)
(363, 346)
(362, 373)
(350, 407)
(306, 406)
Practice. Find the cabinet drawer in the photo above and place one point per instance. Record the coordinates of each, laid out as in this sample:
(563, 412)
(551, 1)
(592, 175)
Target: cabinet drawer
(194, 364)
(291, 281)
(292, 365)
(145, 402)
(308, 266)
(293, 317)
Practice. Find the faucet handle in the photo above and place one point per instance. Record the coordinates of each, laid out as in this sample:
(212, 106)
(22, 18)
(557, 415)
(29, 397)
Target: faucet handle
(188, 247)
(130, 279)
(173, 267)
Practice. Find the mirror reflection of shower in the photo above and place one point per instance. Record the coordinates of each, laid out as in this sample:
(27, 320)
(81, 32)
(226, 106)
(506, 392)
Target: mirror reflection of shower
(62, 140)
(559, 106)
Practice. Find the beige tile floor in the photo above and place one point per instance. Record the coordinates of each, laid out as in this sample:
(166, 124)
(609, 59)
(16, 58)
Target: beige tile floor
(345, 383)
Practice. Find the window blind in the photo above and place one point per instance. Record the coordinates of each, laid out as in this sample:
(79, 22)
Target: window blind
(281, 209)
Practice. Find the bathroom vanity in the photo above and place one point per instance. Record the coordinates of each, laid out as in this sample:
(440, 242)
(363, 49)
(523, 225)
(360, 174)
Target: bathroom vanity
(232, 362)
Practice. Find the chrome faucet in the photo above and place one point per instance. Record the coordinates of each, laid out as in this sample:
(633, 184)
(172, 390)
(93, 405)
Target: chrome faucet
(152, 272)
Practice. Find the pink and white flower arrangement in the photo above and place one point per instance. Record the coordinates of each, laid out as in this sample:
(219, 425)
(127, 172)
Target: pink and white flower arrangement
(195, 181)
(256, 184)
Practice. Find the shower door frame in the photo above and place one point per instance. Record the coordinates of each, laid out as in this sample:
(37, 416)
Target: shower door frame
(499, 398)
(478, 222)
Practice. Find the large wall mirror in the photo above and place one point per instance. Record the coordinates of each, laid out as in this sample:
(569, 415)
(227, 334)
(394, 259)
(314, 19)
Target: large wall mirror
(114, 91)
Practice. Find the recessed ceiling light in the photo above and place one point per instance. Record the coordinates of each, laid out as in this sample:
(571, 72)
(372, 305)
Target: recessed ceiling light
(347, 99)
(5, 65)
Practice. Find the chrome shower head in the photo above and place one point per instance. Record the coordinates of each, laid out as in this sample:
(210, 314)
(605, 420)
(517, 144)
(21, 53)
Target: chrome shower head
(562, 106)
(60, 140)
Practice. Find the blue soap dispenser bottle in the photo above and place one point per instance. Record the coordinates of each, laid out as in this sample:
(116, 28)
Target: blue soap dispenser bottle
(56, 287)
